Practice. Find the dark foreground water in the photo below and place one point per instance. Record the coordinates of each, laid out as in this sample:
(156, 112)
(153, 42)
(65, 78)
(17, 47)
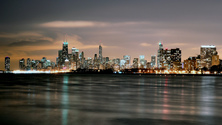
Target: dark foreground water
(110, 100)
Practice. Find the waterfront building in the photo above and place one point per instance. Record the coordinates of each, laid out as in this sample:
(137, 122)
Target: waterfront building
(165, 59)
(7, 63)
(28, 65)
(159, 55)
(175, 59)
(117, 61)
(148, 65)
(22, 64)
(142, 61)
(206, 54)
(153, 61)
(126, 59)
(215, 60)
(135, 63)
(100, 54)
(59, 58)
(122, 64)
(106, 59)
(66, 66)
(82, 60)
(38, 64)
(75, 53)
(33, 65)
(64, 52)
(169, 58)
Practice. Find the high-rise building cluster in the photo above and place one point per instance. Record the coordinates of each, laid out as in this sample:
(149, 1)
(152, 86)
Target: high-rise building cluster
(42, 64)
(208, 57)
(169, 59)
(76, 60)
(166, 59)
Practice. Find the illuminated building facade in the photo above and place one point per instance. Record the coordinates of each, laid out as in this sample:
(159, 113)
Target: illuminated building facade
(75, 64)
(122, 64)
(148, 65)
(28, 65)
(153, 61)
(159, 55)
(190, 64)
(43, 63)
(175, 59)
(22, 64)
(7, 63)
(100, 54)
(215, 60)
(64, 51)
(165, 59)
(169, 59)
(82, 60)
(142, 61)
(126, 59)
(206, 54)
(135, 63)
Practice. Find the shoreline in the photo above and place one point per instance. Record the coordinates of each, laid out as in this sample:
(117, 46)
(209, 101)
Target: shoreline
(108, 73)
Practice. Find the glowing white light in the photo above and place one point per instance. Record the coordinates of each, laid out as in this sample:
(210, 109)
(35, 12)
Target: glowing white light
(208, 46)
(34, 71)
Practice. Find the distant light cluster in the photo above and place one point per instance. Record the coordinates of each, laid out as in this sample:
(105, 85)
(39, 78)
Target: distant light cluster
(167, 61)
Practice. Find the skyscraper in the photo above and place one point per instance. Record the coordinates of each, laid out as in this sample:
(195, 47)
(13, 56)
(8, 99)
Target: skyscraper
(153, 61)
(127, 61)
(82, 60)
(176, 55)
(75, 50)
(206, 54)
(215, 60)
(75, 53)
(28, 66)
(135, 63)
(142, 61)
(159, 55)
(59, 58)
(7, 63)
(169, 58)
(22, 64)
(64, 51)
(100, 53)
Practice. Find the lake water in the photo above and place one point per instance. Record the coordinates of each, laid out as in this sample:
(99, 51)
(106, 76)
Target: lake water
(87, 99)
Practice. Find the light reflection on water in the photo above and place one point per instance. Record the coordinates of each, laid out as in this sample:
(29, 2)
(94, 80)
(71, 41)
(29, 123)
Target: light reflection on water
(110, 99)
(65, 100)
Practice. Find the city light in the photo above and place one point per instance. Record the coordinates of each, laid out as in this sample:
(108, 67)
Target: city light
(38, 72)
(167, 61)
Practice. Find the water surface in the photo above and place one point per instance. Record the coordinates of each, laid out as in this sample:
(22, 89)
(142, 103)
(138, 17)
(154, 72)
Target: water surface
(89, 99)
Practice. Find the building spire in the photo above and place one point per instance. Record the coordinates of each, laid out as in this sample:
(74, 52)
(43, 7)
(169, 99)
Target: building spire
(66, 37)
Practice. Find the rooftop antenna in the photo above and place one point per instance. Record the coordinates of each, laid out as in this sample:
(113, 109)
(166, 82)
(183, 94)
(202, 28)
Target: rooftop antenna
(100, 43)
(66, 37)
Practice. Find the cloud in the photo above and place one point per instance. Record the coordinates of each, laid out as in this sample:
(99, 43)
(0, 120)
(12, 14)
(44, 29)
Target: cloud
(72, 24)
(21, 34)
(49, 52)
(31, 43)
(82, 24)
(145, 44)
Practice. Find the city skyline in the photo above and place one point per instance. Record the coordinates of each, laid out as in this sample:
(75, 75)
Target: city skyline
(166, 59)
(122, 28)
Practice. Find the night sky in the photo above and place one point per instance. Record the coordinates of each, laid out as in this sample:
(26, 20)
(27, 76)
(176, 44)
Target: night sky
(35, 29)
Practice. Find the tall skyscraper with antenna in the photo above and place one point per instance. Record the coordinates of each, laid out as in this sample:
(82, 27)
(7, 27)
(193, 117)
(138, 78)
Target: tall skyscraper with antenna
(159, 55)
(100, 53)
(64, 51)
